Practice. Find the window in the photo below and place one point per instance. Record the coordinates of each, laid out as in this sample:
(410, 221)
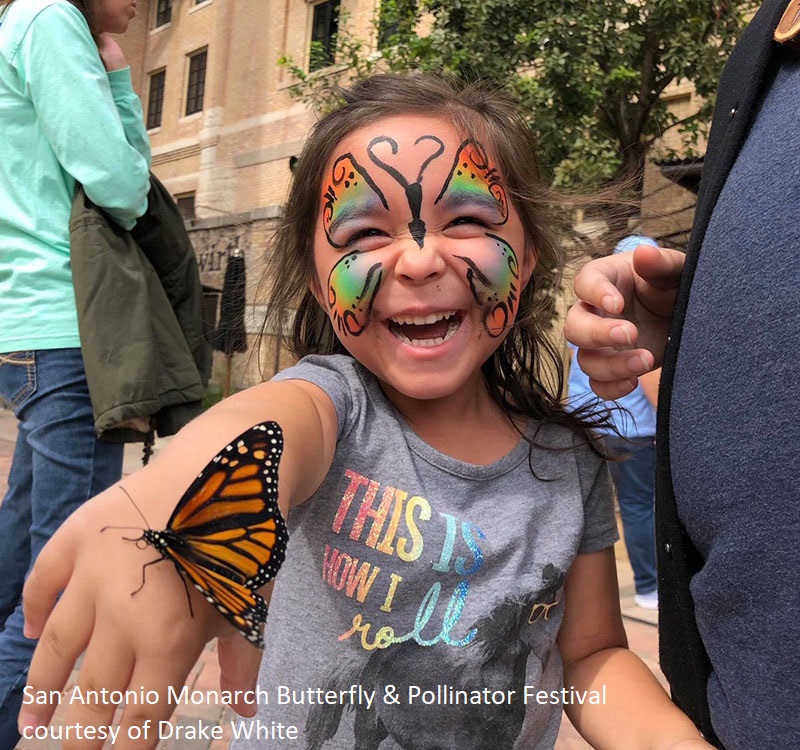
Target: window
(163, 12)
(323, 34)
(197, 82)
(155, 99)
(185, 203)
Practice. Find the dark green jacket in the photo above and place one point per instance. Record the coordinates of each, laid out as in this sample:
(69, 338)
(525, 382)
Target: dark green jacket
(139, 301)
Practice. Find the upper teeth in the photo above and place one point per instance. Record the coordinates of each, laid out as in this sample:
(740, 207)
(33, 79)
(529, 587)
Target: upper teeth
(422, 320)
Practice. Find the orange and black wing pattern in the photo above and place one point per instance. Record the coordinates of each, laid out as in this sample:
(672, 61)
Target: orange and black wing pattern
(227, 535)
(242, 607)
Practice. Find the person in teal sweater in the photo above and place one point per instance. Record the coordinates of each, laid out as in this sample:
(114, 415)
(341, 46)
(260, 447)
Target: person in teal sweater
(68, 115)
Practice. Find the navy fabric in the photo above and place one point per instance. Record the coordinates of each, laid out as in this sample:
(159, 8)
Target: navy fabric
(734, 433)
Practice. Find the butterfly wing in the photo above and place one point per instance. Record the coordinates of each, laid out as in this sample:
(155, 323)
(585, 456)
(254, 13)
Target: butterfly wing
(229, 536)
(242, 607)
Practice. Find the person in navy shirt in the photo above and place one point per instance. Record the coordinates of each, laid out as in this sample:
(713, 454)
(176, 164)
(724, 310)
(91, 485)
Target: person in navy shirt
(725, 322)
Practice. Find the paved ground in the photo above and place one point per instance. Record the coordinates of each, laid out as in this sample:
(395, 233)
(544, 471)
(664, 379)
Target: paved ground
(639, 623)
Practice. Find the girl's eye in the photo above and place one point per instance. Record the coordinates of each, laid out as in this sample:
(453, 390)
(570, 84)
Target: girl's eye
(466, 227)
(363, 234)
(467, 220)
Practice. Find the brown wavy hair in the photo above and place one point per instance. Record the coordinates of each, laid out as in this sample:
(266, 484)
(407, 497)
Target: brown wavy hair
(84, 6)
(525, 375)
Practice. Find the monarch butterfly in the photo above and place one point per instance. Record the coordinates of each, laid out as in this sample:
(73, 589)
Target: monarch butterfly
(226, 535)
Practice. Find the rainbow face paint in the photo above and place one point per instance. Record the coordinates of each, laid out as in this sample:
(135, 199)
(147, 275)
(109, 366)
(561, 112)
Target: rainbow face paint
(494, 282)
(349, 191)
(472, 176)
(352, 285)
(493, 278)
(397, 189)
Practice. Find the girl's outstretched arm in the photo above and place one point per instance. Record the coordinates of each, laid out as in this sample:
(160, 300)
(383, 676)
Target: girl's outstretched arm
(637, 713)
(149, 641)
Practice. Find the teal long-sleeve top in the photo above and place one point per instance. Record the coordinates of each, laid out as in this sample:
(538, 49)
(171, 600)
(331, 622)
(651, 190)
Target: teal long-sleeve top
(63, 119)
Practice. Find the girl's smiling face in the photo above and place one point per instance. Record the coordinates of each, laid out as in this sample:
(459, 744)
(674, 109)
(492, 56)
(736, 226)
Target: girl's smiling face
(420, 255)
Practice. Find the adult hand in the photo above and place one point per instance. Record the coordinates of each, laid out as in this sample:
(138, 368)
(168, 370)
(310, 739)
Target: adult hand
(111, 53)
(142, 641)
(622, 317)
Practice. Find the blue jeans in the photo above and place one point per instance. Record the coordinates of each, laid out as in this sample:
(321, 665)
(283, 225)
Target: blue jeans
(58, 464)
(635, 479)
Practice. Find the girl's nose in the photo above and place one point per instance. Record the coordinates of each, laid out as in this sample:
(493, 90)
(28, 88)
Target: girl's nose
(417, 263)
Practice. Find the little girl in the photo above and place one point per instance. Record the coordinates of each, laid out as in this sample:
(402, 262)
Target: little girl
(450, 565)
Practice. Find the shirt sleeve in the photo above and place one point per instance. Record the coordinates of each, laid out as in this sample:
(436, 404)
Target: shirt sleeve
(335, 375)
(599, 519)
(130, 111)
(63, 76)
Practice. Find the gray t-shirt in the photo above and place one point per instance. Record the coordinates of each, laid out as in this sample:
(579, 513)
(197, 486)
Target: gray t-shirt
(421, 594)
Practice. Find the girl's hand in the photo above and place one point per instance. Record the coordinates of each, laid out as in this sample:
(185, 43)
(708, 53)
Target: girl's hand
(143, 638)
(111, 53)
(143, 641)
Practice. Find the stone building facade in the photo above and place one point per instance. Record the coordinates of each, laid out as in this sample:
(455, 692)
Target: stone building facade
(670, 184)
(224, 128)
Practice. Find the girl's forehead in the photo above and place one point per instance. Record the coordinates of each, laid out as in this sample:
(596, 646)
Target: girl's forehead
(405, 130)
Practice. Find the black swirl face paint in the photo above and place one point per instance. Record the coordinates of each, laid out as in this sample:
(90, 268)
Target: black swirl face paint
(472, 174)
(495, 284)
(352, 286)
(493, 278)
(349, 191)
(413, 190)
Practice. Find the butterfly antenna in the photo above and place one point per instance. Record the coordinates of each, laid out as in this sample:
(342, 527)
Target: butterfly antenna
(135, 528)
(133, 502)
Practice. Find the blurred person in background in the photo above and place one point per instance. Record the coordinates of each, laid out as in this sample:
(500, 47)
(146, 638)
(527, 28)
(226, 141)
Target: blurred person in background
(68, 115)
(634, 474)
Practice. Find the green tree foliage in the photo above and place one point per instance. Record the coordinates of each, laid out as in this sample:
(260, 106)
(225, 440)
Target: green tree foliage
(589, 75)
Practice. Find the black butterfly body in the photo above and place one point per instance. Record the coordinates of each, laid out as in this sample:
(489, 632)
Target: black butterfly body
(227, 536)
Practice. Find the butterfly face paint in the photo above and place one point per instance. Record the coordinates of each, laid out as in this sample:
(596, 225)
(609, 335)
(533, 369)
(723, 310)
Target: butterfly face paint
(353, 281)
(473, 176)
(396, 180)
(413, 190)
(493, 276)
(349, 190)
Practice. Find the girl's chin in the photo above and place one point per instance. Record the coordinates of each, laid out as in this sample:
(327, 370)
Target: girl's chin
(418, 389)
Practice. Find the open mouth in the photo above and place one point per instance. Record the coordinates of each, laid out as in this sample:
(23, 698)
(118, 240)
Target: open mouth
(425, 330)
